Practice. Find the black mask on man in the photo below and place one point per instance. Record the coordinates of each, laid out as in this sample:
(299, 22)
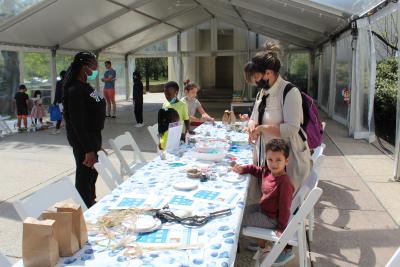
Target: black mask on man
(262, 84)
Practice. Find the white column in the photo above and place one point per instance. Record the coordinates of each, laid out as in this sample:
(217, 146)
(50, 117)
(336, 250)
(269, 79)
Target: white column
(332, 87)
(320, 77)
(127, 75)
(97, 83)
(53, 73)
(21, 66)
(311, 61)
(397, 137)
(353, 92)
(180, 64)
(214, 34)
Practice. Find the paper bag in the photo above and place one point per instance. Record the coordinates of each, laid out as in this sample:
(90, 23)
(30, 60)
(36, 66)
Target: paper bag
(39, 243)
(78, 221)
(228, 117)
(67, 240)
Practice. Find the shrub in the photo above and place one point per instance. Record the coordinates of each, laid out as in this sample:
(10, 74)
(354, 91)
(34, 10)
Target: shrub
(386, 99)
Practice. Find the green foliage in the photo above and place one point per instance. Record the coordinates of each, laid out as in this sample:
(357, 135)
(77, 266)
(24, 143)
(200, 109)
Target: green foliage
(36, 65)
(153, 68)
(298, 69)
(386, 98)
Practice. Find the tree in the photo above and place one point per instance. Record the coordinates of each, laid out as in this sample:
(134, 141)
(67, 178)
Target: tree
(9, 79)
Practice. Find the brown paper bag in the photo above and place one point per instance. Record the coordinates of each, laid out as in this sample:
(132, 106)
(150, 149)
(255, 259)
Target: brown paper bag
(78, 220)
(67, 240)
(39, 243)
(232, 118)
(228, 117)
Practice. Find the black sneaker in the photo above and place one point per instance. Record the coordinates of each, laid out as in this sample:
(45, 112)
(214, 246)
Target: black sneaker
(113, 117)
(108, 116)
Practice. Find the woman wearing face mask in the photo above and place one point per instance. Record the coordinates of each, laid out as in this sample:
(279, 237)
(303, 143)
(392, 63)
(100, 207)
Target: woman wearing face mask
(84, 113)
(273, 119)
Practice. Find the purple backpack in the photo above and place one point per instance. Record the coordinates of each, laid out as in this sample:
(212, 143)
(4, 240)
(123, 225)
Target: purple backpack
(312, 126)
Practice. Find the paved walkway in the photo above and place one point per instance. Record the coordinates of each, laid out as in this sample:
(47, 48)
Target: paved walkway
(357, 217)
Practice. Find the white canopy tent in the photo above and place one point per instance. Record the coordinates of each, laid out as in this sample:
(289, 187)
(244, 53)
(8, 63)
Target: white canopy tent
(122, 28)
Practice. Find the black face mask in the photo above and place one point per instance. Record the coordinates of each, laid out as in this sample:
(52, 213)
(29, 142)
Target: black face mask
(262, 84)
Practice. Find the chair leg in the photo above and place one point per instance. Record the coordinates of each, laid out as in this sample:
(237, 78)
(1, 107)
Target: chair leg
(302, 247)
(311, 226)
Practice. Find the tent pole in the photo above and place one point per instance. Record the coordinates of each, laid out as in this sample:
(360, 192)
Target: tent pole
(53, 63)
(127, 87)
(180, 64)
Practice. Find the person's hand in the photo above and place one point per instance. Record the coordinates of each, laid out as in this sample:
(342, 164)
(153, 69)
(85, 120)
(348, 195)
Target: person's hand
(278, 233)
(102, 79)
(90, 159)
(250, 126)
(253, 137)
(244, 117)
(237, 168)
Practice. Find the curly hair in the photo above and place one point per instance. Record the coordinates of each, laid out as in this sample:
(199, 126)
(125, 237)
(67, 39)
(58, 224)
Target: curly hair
(278, 145)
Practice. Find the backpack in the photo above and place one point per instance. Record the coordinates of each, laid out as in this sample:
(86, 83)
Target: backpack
(311, 125)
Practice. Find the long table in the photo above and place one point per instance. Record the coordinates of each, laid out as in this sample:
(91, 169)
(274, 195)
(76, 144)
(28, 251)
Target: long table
(218, 239)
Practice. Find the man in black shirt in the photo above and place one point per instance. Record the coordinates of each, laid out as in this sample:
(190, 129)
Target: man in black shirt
(21, 102)
(138, 98)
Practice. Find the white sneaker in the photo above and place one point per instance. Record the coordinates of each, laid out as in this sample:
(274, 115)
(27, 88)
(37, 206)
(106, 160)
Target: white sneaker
(56, 131)
(139, 125)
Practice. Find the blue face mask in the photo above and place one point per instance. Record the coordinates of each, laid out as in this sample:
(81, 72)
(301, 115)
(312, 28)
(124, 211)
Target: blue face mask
(173, 100)
(93, 76)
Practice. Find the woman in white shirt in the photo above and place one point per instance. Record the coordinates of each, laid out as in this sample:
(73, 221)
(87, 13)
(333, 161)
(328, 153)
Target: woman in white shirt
(273, 118)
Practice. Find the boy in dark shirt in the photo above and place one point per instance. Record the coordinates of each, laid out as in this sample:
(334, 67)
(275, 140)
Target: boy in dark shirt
(273, 210)
(21, 102)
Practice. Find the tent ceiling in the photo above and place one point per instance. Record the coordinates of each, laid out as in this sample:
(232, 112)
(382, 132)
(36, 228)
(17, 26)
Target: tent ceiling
(121, 26)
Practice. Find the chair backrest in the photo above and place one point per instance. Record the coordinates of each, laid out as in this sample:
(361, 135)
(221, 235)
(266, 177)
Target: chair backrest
(126, 140)
(318, 152)
(308, 184)
(394, 260)
(154, 133)
(34, 204)
(107, 171)
(293, 226)
(4, 262)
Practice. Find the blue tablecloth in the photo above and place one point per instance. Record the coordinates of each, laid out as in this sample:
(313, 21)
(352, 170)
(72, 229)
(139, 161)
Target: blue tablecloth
(219, 236)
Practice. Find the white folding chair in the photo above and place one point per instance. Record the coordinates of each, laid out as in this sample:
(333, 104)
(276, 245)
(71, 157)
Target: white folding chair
(317, 157)
(296, 225)
(298, 238)
(34, 204)
(4, 262)
(154, 133)
(138, 159)
(394, 260)
(107, 171)
(4, 128)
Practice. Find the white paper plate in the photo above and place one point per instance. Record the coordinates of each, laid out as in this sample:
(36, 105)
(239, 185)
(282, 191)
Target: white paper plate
(233, 178)
(144, 224)
(186, 185)
(156, 227)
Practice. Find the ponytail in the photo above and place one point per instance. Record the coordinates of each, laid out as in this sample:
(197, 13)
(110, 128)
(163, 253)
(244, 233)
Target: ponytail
(189, 85)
